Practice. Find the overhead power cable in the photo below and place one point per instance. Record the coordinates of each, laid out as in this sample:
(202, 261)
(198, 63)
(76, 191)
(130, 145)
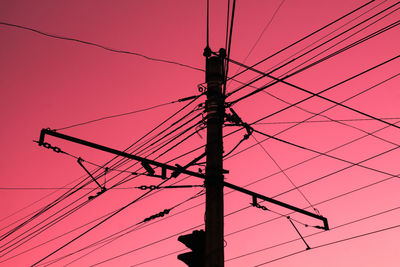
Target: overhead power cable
(284, 173)
(112, 237)
(307, 36)
(314, 234)
(323, 121)
(341, 41)
(124, 114)
(95, 226)
(307, 119)
(228, 48)
(268, 74)
(325, 154)
(342, 122)
(327, 89)
(265, 29)
(333, 243)
(164, 121)
(98, 45)
(376, 33)
(322, 38)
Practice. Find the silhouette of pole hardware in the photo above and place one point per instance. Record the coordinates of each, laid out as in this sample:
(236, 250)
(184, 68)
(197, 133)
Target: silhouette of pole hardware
(256, 196)
(154, 187)
(176, 170)
(196, 242)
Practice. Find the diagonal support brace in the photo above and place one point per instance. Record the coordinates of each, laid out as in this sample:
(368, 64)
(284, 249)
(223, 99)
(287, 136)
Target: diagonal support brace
(80, 163)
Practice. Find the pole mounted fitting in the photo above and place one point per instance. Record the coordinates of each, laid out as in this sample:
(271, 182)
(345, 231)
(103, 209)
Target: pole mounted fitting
(207, 52)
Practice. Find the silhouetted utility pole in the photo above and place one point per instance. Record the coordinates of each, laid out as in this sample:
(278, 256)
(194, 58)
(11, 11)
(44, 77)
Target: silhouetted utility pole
(214, 178)
(214, 221)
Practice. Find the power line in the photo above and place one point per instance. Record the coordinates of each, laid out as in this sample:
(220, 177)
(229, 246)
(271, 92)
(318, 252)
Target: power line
(228, 49)
(323, 121)
(341, 41)
(99, 46)
(95, 226)
(317, 233)
(333, 243)
(259, 38)
(284, 173)
(118, 115)
(110, 238)
(307, 119)
(159, 125)
(321, 38)
(325, 154)
(327, 89)
(267, 74)
(307, 36)
(334, 120)
(265, 29)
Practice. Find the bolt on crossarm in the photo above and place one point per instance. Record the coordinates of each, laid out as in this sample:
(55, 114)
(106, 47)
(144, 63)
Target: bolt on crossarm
(214, 217)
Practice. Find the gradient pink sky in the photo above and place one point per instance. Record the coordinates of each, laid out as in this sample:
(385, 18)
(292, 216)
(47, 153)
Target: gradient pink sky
(47, 82)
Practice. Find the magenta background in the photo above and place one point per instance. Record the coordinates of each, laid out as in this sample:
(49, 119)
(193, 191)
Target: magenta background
(54, 83)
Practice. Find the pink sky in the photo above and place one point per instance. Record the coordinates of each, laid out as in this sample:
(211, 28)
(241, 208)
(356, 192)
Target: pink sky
(48, 82)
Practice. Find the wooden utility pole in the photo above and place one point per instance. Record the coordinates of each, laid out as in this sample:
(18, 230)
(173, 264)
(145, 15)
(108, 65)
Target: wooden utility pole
(214, 217)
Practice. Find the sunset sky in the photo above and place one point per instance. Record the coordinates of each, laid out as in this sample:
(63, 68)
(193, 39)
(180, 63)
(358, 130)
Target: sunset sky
(117, 73)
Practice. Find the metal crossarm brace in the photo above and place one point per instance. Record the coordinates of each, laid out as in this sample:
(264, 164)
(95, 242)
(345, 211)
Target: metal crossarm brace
(175, 169)
(279, 203)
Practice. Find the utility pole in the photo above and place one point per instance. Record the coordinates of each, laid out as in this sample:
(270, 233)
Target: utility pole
(214, 217)
(213, 252)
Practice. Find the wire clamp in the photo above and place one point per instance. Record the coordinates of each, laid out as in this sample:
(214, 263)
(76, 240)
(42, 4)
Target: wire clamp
(257, 205)
(160, 214)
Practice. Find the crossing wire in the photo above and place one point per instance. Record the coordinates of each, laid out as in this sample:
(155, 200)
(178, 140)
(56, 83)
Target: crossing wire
(310, 65)
(306, 37)
(327, 35)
